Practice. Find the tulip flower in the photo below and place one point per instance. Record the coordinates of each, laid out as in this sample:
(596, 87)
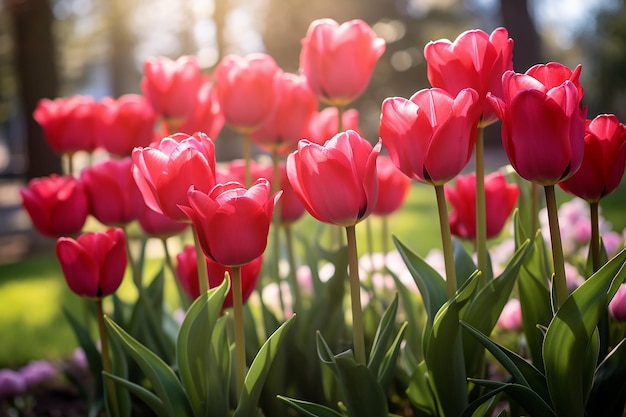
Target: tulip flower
(124, 123)
(476, 60)
(430, 137)
(171, 86)
(57, 205)
(393, 186)
(511, 317)
(337, 182)
(290, 208)
(295, 104)
(165, 171)
(245, 89)
(69, 124)
(93, 264)
(206, 116)
(156, 224)
(338, 60)
(617, 306)
(324, 125)
(501, 198)
(603, 161)
(187, 275)
(232, 222)
(114, 198)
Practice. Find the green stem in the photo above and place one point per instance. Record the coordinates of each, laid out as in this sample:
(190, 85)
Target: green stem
(340, 110)
(560, 284)
(185, 302)
(240, 338)
(534, 209)
(446, 240)
(595, 236)
(481, 209)
(370, 240)
(355, 296)
(276, 227)
(247, 156)
(70, 163)
(203, 274)
(106, 359)
(295, 287)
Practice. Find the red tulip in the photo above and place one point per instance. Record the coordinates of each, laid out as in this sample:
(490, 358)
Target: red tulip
(93, 264)
(156, 224)
(604, 160)
(164, 172)
(500, 199)
(393, 186)
(57, 205)
(232, 222)
(337, 182)
(324, 125)
(206, 116)
(68, 123)
(187, 274)
(124, 123)
(543, 126)
(172, 86)
(338, 60)
(476, 60)
(431, 136)
(245, 89)
(114, 198)
(287, 123)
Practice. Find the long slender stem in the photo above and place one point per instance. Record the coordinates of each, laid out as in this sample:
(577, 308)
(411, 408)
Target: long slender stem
(247, 156)
(340, 110)
(295, 287)
(358, 333)
(534, 209)
(106, 359)
(203, 274)
(276, 227)
(183, 297)
(240, 338)
(559, 282)
(595, 236)
(446, 240)
(481, 209)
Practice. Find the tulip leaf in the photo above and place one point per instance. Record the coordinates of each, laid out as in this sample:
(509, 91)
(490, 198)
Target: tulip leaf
(463, 263)
(120, 369)
(145, 395)
(572, 335)
(444, 351)
(162, 378)
(388, 367)
(532, 403)
(414, 311)
(196, 355)
(382, 337)
(309, 409)
(255, 378)
(608, 394)
(422, 394)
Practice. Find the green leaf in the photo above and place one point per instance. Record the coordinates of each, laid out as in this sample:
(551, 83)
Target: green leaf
(362, 394)
(388, 367)
(532, 403)
(163, 379)
(308, 408)
(120, 369)
(196, 356)
(463, 263)
(143, 394)
(414, 312)
(258, 371)
(608, 394)
(382, 337)
(569, 337)
(422, 394)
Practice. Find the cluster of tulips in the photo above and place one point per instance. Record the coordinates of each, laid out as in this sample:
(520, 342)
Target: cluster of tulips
(162, 171)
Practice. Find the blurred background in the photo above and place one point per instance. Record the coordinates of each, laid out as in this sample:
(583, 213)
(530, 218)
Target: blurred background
(52, 48)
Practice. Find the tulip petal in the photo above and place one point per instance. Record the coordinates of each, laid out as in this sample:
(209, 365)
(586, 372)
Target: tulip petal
(79, 267)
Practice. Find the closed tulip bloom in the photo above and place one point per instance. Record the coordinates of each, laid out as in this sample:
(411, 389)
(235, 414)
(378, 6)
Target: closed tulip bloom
(165, 171)
(114, 198)
(187, 274)
(543, 127)
(393, 186)
(604, 159)
(286, 125)
(336, 182)
(57, 205)
(232, 222)
(156, 224)
(476, 60)
(124, 123)
(69, 124)
(93, 264)
(206, 116)
(338, 60)
(500, 199)
(617, 306)
(171, 86)
(324, 124)
(290, 207)
(245, 89)
(431, 136)
(554, 74)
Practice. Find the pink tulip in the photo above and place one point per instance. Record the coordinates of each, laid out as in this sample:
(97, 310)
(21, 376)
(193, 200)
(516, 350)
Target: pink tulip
(124, 123)
(393, 186)
(165, 171)
(338, 60)
(603, 162)
(69, 124)
(476, 60)
(114, 198)
(245, 89)
(617, 306)
(511, 316)
(206, 116)
(156, 224)
(93, 264)
(543, 125)
(172, 86)
(187, 275)
(290, 207)
(57, 205)
(337, 182)
(431, 136)
(324, 125)
(232, 222)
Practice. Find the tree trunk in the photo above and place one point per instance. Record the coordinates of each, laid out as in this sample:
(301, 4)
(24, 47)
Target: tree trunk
(521, 28)
(37, 74)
